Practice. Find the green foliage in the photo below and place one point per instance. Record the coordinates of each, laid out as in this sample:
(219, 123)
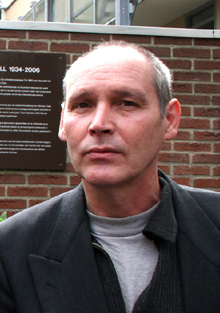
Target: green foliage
(3, 217)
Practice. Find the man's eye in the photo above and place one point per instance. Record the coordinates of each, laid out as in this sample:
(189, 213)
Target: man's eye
(81, 105)
(128, 103)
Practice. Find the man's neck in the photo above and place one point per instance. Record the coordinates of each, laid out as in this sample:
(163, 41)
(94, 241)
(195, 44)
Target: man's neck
(122, 200)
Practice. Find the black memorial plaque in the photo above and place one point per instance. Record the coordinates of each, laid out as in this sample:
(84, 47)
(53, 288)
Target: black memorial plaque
(30, 98)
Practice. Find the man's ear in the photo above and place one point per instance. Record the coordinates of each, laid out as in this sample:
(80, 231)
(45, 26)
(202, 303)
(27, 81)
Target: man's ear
(172, 117)
(61, 133)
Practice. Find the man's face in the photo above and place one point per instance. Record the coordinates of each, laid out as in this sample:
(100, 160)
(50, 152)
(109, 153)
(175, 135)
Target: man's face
(111, 120)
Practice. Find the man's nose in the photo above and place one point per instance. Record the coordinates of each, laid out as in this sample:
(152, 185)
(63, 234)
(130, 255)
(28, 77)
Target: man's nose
(102, 120)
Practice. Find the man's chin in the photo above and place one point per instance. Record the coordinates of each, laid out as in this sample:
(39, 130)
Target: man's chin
(100, 180)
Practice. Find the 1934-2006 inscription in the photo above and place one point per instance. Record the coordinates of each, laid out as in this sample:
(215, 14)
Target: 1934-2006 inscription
(30, 98)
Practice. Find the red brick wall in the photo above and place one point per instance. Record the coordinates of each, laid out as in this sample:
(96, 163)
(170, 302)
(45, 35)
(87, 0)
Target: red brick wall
(192, 158)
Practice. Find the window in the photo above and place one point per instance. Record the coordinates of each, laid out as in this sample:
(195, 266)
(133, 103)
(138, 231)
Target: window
(58, 11)
(77, 11)
(82, 11)
(203, 17)
(105, 11)
(39, 11)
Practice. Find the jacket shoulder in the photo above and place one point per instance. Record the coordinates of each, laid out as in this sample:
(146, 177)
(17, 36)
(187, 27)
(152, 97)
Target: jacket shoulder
(208, 201)
(203, 196)
(38, 221)
(188, 200)
(194, 202)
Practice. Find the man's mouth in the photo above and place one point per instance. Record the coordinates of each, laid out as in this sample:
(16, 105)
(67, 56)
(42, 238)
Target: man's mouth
(102, 152)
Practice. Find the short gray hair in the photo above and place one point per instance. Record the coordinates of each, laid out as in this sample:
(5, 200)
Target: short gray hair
(162, 80)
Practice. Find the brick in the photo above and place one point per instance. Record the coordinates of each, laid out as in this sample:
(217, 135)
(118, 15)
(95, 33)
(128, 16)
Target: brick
(216, 77)
(166, 146)
(12, 204)
(3, 44)
(216, 147)
(182, 180)
(206, 65)
(165, 168)
(191, 53)
(57, 191)
(216, 171)
(194, 99)
(12, 179)
(194, 123)
(216, 124)
(191, 170)
(172, 41)
(208, 112)
(206, 183)
(27, 191)
(185, 111)
(177, 63)
(48, 35)
(89, 37)
(69, 47)
(173, 157)
(207, 88)
(182, 87)
(74, 58)
(2, 191)
(206, 158)
(216, 100)
(183, 135)
(47, 179)
(207, 42)
(216, 54)
(206, 136)
(192, 76)
(75, 180)
(35, 202)
(9, 33)
(159, 51)
(192, 146)
(133, 38)
(28, 45)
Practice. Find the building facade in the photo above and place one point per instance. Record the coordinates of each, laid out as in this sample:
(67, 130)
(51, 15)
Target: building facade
(199, 14)
(191, 159)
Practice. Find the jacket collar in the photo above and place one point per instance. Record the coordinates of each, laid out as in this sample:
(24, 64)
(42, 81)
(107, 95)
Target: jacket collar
(198, 242)
(72, 215)
(163, 222)
(193, 222)
(67, 278)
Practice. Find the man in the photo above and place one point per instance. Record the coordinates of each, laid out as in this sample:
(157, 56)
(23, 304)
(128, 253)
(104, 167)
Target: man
(127, 239)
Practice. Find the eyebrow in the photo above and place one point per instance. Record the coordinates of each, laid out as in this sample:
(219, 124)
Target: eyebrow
(79, 95)
(131, 94)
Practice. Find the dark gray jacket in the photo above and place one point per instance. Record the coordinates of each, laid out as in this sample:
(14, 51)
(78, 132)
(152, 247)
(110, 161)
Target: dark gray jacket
(47, 262)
